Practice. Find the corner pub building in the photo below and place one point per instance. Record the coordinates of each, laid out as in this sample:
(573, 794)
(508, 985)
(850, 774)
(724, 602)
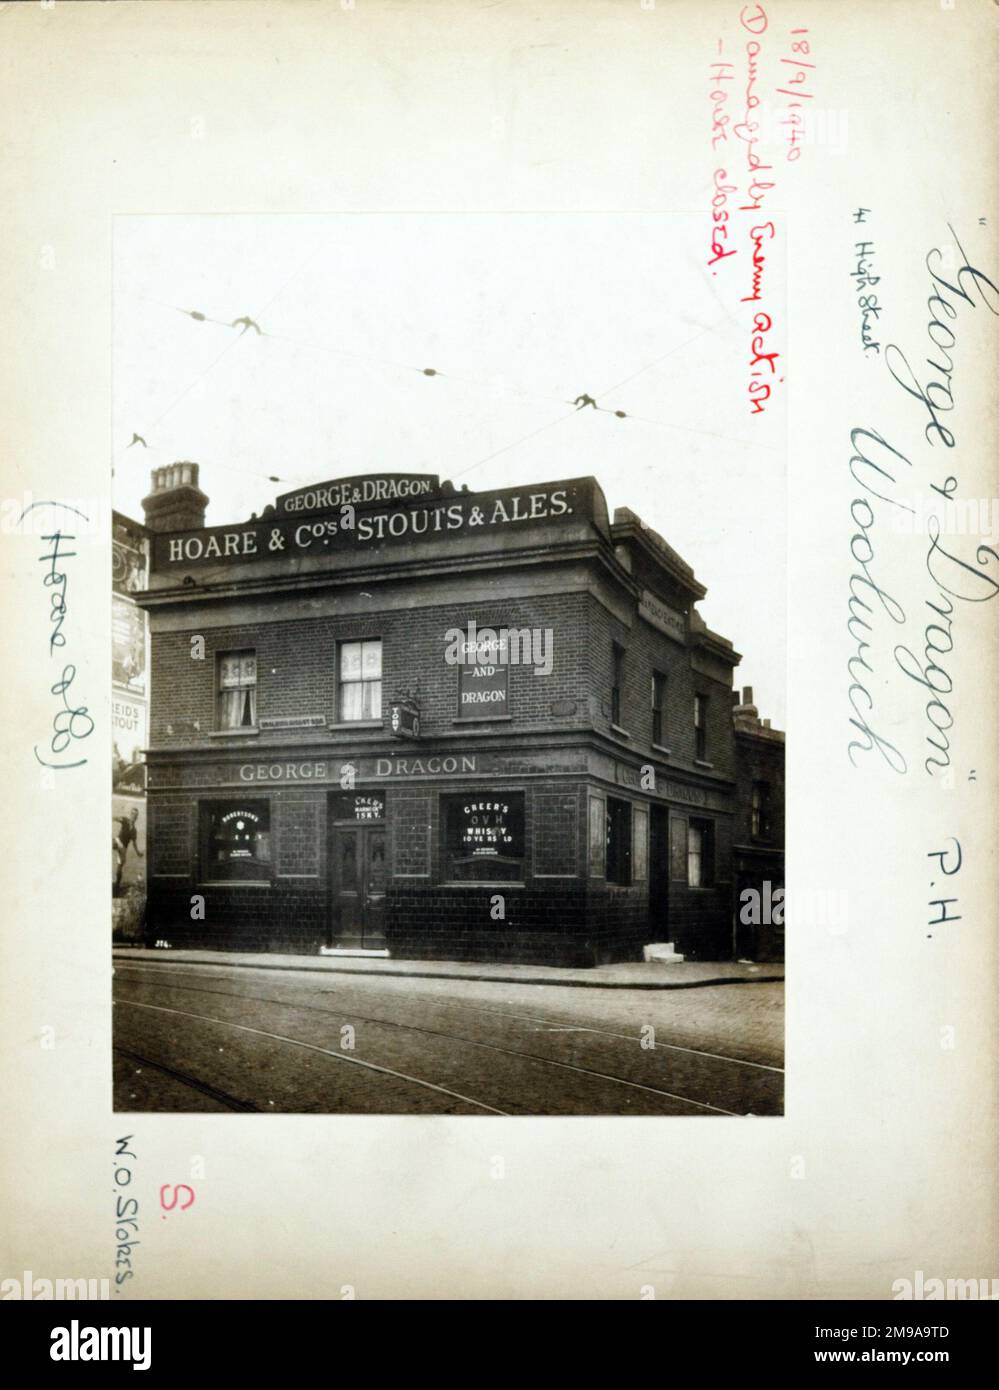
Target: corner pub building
(388, 716)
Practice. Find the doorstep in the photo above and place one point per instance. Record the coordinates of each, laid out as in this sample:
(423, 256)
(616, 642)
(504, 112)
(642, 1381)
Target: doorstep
(352, 951)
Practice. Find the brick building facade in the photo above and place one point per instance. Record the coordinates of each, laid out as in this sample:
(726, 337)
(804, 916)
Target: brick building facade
(390, 716)
(758, 851)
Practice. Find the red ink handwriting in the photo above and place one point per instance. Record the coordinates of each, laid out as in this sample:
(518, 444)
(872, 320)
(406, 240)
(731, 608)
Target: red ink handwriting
(178, 1188)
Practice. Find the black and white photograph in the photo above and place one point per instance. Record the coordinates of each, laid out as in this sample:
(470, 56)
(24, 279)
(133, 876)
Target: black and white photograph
(464, 603)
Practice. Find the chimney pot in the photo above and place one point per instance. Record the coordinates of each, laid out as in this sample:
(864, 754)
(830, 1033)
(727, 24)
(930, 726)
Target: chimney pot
(175, 501)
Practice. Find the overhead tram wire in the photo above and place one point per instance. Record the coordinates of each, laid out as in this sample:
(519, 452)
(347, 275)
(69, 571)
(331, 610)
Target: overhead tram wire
(513, 444)
(371, 358)
(581, 403)
(508, 389)
(211, 366)
(603, 409)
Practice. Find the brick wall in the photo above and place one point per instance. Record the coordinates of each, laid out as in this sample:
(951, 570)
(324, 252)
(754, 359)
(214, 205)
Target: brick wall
(556, 833)
(759, 862)
(647, 650)
(169, 835)
(296, 664)
(280, 918)
(298, 830)
(759, 759)
(410, 818)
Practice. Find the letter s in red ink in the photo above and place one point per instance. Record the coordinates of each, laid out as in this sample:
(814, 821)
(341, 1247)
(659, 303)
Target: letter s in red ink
(177, 1189)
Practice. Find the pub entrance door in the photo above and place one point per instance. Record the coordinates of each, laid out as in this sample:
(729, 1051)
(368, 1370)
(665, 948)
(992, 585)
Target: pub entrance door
(358, 875)
(659, 874)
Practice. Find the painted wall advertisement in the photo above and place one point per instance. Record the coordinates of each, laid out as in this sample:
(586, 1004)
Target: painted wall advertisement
(128, 645)
(128, 739)
(129, 557)
(129, 730)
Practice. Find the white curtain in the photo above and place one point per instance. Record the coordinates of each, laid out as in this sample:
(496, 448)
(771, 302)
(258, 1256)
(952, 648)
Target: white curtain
(238, 690)
(361, 680)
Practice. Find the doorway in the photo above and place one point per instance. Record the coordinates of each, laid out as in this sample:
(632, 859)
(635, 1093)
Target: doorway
(358, 874)
(659, 874)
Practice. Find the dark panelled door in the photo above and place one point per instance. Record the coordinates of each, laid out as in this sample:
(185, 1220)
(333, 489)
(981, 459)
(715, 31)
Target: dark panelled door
(659, 875)
(358, 887)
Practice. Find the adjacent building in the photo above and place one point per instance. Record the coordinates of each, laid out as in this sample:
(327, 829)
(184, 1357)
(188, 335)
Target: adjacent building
(391, 716)
(758, 849)
(129, 722)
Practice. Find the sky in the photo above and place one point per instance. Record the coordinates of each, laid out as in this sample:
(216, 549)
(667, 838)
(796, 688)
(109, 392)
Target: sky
(519, 314)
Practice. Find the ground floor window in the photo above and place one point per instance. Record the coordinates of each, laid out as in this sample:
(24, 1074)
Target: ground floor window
(700, 854)
(483, 836)
(235, 839)
(597, 837)
(618, 841)
(640, 845)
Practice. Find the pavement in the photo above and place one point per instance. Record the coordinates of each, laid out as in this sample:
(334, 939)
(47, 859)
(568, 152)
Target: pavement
(631, 975)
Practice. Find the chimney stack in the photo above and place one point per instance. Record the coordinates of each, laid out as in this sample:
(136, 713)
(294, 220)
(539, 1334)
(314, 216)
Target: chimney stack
(176, 503)
(745, 715)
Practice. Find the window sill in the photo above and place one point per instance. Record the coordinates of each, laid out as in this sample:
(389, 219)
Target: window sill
(232, 733)
(483, 883)
(235, 883)
(348, 724)
(621, 733)
(700, 762)
(658, 748)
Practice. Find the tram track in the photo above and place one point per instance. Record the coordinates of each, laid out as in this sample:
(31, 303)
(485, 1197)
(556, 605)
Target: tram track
(354, 1016)
(314, 1047)
(186, 1079)
(504, 1013)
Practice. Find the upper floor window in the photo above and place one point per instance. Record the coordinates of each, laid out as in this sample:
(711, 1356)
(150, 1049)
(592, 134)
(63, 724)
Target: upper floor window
(658, 708)
(617, 681)
(360, 688)
(700, 727)
(760, 811)
(237, 692)
(700, 854)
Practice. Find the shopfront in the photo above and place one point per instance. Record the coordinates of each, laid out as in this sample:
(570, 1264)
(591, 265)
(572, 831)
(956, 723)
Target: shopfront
(488, 859)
